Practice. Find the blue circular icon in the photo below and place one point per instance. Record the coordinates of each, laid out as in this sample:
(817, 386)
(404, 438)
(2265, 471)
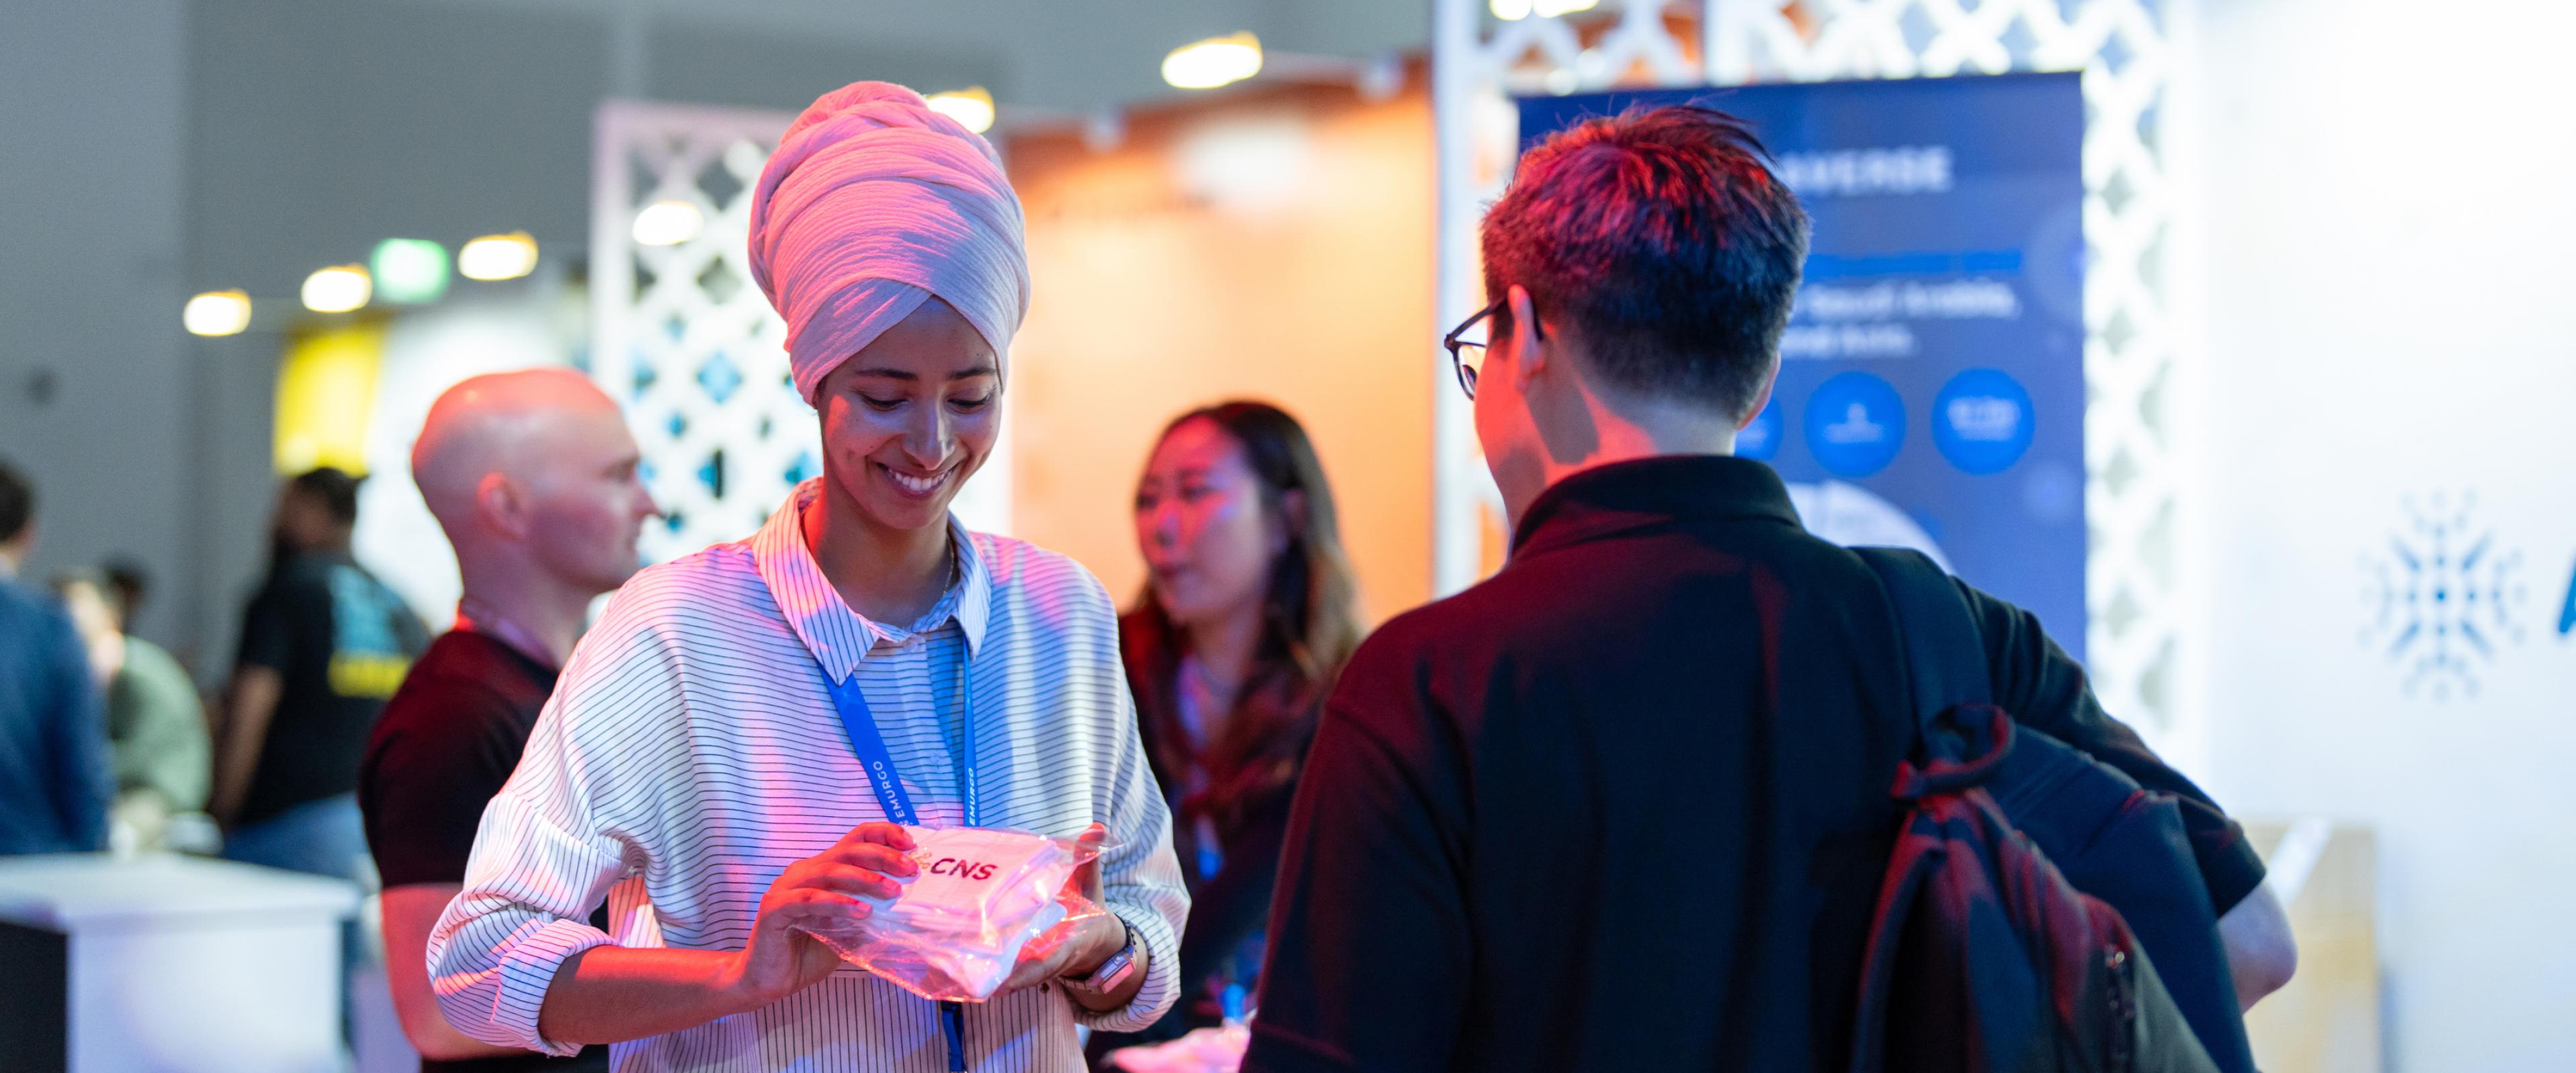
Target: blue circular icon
(1854, 423)
(1759, 439)
(1981, 421)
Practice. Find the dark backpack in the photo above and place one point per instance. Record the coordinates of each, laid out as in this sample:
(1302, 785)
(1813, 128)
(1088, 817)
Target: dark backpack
(1984, 956)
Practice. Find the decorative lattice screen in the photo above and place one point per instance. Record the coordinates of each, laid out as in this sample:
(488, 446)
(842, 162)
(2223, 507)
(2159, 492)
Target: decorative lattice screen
(2139, 576)
(686, 341)
(680, 334)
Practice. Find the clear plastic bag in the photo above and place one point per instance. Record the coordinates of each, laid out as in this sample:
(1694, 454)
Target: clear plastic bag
(1205, 1050)
(982, 894)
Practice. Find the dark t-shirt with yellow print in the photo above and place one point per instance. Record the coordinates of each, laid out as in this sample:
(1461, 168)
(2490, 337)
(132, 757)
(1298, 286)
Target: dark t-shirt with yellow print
(340, 642)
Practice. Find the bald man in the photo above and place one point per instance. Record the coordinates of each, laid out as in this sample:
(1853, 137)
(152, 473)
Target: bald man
(533, 476)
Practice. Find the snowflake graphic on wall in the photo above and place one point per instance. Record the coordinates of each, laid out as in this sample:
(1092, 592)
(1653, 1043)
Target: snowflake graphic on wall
(2442, 596)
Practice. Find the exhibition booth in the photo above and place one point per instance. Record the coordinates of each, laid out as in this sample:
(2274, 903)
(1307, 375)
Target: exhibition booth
(2033, 341)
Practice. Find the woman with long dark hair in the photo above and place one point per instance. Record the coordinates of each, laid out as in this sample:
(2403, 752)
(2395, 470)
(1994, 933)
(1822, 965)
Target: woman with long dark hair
(1248, 614)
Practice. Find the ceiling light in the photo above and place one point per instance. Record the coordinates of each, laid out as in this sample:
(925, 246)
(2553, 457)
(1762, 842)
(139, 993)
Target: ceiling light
(496, 257)
(338, 289)
(1514, 10)
(217, 313)
(971, 107)
(409, 270)
(1214, 62)
(668, 223)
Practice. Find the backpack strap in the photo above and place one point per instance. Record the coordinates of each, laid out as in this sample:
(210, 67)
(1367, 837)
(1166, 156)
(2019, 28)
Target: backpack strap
(1945, 655)
(1945, 669)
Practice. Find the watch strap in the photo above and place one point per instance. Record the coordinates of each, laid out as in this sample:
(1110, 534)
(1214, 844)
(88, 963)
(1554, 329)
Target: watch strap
(1114, 971)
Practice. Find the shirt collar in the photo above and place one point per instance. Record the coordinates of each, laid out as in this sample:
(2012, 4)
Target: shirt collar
(837, 636)
(1606, 500)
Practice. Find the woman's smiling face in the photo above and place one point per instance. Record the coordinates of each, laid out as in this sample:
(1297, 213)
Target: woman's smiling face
(910, 416)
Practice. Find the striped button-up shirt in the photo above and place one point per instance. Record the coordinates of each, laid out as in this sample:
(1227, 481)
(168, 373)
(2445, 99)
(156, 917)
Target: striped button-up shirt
(691, 753)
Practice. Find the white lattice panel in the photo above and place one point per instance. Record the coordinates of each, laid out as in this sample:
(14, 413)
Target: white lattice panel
(2141, 579)
(681, 335)
(684, 338)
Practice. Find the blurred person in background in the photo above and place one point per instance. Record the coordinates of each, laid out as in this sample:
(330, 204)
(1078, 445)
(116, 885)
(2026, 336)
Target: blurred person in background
(533, 477)
(129, 585)
(1249, 612)
(55, 781)
(699, 766)
(322, 646)
(156, 726)
(1625, 804)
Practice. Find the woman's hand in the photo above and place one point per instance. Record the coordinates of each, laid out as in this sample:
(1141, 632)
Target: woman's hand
(1074, 947)
(821, 890)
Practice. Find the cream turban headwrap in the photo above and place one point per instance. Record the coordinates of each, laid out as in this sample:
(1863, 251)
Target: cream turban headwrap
(871, 204)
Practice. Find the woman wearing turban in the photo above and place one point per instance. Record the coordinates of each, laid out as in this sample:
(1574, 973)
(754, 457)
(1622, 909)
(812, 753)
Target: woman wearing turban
(699, 767)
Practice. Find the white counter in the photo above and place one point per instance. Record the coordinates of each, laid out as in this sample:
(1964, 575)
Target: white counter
(170, 963)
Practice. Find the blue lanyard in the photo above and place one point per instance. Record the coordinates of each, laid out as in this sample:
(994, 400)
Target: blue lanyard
(861, 726)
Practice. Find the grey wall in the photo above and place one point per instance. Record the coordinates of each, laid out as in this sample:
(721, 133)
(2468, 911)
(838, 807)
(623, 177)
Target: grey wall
(156, 148)
(321, 127)
(1360, 28)
(95, 392)
(704, 63)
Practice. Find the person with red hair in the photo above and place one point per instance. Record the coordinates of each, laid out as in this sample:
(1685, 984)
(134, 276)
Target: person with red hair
(1625, 804)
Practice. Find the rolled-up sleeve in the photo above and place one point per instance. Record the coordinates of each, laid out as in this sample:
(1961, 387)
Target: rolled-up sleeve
(544, 858)
(2046, 689)
(496, 949)
(1140, 875)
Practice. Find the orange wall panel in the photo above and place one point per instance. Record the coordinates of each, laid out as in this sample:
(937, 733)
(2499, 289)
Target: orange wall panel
(1273, 244)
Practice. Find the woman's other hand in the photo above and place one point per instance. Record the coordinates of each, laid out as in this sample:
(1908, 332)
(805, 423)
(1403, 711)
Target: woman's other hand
(823, 890)
(1077, 946)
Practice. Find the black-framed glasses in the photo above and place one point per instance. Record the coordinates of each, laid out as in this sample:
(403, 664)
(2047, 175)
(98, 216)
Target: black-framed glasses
(1466, 356)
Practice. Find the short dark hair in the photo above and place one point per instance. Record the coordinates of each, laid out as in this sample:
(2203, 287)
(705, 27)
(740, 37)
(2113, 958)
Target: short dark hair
(335, 489)
(1665, 241)
(130, 583)
(17, 502)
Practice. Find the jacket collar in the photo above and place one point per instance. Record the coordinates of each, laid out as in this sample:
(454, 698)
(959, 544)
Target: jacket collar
(1607, 500)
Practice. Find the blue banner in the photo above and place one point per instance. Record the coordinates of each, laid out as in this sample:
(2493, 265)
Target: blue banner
(1931, 388)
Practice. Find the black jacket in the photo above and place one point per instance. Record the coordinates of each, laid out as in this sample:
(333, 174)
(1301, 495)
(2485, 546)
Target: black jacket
(1227, 909)
(1625, 805)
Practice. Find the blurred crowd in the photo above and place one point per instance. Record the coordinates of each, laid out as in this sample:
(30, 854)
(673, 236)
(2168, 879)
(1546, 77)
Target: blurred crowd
(109, 742)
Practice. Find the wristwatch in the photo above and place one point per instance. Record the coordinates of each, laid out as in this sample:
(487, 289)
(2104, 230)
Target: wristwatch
(1113, 973)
